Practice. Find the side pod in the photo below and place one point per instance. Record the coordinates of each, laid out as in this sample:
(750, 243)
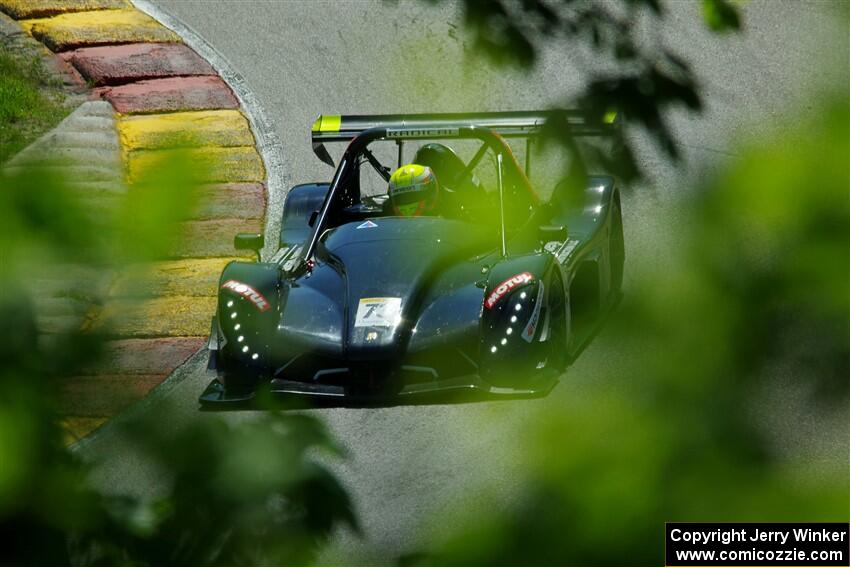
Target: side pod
(584, 213)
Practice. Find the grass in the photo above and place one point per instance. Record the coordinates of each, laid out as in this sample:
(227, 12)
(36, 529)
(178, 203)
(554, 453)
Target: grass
(30, 101)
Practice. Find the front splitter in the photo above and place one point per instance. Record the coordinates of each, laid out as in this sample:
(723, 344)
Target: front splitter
(217, 395)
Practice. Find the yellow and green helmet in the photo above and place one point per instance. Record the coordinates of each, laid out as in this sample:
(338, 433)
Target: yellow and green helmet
(413, 190)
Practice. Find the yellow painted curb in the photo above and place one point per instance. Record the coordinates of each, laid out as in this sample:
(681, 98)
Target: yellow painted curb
(223, 128)
(210, 164)
(19, 9)
(161, 311)
(101, 27)
(178, 316)
(75, 428)
(191, 277)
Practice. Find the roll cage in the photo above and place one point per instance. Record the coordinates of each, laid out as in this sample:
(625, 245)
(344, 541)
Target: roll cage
(490, 128)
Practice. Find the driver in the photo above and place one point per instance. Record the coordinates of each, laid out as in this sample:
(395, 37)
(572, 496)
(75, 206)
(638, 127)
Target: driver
(413, 191)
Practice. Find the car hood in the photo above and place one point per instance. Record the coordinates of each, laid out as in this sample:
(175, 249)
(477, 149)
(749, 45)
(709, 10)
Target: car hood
(373, 279)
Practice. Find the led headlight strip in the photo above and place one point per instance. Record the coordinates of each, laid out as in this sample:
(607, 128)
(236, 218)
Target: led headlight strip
(527, 332)
(255, 298)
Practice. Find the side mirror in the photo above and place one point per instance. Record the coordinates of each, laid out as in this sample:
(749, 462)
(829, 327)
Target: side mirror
(313, 216)
(550, 233)
(249, 241)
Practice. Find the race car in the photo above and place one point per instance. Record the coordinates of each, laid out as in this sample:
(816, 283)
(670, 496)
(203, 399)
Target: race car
(490, 288)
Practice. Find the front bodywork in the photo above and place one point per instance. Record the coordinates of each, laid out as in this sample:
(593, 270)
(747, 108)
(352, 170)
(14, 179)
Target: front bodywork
(392, 309)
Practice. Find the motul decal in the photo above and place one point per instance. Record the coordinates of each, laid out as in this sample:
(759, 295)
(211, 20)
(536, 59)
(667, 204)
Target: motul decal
(248, 293)
(503, 288)
(531, 327)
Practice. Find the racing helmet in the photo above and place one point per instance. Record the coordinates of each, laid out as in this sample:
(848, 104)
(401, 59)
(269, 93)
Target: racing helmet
(413, 191)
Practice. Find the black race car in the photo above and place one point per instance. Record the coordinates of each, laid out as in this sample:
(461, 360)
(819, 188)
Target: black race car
(496, 293)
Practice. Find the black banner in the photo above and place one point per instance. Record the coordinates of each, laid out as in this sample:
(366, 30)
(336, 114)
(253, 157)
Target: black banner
(757, 545)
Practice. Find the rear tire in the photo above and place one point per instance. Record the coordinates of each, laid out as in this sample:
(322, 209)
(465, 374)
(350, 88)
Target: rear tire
(616, 243)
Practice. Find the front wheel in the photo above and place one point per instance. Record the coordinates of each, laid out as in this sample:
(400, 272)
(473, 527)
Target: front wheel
(526, 338)
(556, 327)
(616, 250)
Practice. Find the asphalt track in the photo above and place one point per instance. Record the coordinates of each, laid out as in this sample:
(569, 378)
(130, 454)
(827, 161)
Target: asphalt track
(411, 465)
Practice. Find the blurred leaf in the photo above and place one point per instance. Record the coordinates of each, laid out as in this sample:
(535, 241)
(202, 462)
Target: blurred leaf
(248, 493)
(642, 78)
(721, 16)
(252, 493)
(41, 217)
(754, 286)
(148, 221)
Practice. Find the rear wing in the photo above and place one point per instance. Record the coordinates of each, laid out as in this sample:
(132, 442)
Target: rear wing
(523, 124)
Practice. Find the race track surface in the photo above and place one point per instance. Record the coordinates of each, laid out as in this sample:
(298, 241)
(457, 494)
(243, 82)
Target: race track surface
(410, 464)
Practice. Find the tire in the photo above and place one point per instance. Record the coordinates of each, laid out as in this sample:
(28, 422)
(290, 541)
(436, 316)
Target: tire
(616, 251)
(556, 343)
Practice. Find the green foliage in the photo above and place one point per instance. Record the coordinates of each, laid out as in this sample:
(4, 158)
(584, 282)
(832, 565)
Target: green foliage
(40, 218)
(753, 293)
(251, 494)
(240, 495)
(642, 79)
(755, 286)
(721, 15)
(29, 102)
(147, 219)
